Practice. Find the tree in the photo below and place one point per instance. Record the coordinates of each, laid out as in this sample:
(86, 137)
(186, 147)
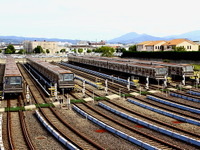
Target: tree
(21, 51)
(199, 47)
(74, 50)
(47, 51)
(8, 51)
(80, 50)
(106, 51)
(120, 49)
(0, 51)
(38, 49)
(10, 48)
(133, 48)
(63, 50)
(89, 51)
(180, 49)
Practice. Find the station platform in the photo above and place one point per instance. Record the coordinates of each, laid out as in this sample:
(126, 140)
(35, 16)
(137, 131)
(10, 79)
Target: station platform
(154, 91)
(88, 99)
(172, 89)
(135, 94)
(112, 97)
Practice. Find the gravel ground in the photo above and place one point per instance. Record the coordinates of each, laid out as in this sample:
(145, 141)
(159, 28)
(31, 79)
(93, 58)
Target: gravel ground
(106, 139)
(169, 120)
(41, 138)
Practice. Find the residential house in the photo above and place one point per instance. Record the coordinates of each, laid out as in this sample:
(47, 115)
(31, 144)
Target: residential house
(155, 46)
(187, 44)
(167, 45)
(142, 46)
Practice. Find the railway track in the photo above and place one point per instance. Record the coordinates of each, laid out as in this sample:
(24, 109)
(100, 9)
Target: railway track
(169, 126)
(178, 100)
(58, 123)
(114, 86)
(123, 127)
(168, 108)
(17, 132)
(156, 122)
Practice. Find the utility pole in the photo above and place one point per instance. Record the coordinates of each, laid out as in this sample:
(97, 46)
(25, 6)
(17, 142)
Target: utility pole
(83, 90)
(106, 87)
(128, 86)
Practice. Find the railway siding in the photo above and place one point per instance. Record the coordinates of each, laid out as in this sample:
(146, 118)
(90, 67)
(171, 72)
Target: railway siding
(115, 131)
(165, 113)
(185, 97)
(151, 126)
(55, 133)
(173, 104)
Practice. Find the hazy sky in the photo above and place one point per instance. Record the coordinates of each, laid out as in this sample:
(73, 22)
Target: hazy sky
(97, 19)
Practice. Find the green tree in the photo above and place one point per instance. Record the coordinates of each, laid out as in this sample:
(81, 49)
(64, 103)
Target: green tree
(120, 49)
(47, 51)
(80, 50)
(199, 47)
(89, 51)
(133, 48)
(8, 51)
(11, 48)
(106, 51)
(38, 49)
(0, 51)
(21, 51)
(73, 50)
(180, 49)
(63, 50)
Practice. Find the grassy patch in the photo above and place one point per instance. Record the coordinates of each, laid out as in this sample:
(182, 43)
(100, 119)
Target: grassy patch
(145, 93)
(14, 108)
(44, 105)
(77, 101)
(126, 95)
(196, 67)
(100, 98)
(164, 90)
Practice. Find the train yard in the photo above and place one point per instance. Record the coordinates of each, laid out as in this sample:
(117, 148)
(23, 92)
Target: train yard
(71, 107)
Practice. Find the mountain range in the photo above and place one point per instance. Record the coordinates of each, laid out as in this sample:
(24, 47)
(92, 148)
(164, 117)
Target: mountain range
(134, 37)
(131, 37)
(17, 39)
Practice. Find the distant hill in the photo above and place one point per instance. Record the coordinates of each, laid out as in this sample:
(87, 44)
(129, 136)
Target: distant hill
(16, 39)
(131, 37)
(193, 35)
(134, 37)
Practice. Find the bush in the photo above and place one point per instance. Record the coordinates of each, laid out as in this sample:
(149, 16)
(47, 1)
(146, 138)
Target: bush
(196, 67)
(166, 60)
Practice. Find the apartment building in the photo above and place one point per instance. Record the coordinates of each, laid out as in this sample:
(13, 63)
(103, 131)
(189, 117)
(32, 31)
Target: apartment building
(51, 46)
